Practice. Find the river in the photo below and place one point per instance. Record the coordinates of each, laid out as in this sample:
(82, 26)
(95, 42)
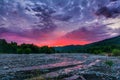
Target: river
(62, 66)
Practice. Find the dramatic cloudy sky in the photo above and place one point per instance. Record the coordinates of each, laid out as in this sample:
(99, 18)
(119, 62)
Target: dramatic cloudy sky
(59, 22)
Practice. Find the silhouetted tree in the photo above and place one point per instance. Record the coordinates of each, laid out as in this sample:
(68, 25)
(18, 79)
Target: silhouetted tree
(46, 49)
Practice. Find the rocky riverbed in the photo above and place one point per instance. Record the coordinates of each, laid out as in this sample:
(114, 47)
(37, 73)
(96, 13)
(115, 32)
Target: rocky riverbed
(64, 66)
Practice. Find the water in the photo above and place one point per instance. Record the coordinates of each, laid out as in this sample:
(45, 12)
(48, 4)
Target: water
(57, 67)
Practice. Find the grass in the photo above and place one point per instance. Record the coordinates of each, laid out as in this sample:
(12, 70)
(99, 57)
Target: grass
(109, 63)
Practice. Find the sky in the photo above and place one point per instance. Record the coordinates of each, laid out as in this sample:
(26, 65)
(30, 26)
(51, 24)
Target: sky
(59, 22)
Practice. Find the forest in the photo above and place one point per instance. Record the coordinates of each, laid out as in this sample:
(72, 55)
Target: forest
(13, 47)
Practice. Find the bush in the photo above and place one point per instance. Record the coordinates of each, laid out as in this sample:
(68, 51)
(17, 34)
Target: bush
(116, 52)
(109, 63)
(46, 49)
(19, 51)
(27, 51)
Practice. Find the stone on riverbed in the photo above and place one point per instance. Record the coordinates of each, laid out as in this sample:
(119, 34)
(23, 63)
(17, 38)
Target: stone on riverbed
(58, 67)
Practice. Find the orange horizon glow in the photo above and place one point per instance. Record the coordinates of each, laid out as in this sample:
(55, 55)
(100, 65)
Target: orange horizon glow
(64, 42)
(50, 43)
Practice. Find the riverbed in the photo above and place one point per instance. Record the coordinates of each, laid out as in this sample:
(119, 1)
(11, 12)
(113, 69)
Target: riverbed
(62, 66)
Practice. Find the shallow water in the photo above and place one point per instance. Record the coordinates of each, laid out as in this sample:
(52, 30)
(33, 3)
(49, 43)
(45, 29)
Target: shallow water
(57, 67)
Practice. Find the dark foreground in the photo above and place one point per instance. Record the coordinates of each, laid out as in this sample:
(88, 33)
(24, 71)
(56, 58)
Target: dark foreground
(58, 67)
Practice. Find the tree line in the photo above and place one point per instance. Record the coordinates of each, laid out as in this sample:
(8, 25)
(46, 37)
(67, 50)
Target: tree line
(109, 46)
(96, 48)
(13, 47)
(111, 50)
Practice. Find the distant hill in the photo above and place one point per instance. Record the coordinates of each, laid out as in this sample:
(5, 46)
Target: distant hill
(103, 45)
(69, 48)
(110, 41)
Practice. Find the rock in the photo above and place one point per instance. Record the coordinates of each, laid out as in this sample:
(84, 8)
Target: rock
(6, 67)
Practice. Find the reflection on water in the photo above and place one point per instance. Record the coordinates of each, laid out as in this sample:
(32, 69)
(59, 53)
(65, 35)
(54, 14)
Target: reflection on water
(53, 67)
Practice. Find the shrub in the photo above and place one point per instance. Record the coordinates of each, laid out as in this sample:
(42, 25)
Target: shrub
(19, 51)
(27, 51)
(109, 63)
(116, 52)
(46, 49)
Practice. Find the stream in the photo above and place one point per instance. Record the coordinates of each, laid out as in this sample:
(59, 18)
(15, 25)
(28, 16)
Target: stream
(62, 66)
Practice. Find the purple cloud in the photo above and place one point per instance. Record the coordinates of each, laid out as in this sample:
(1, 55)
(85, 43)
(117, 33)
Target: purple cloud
(91, 33)
(110, 10)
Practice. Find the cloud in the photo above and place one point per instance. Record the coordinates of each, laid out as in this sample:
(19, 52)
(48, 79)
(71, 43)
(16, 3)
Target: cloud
(111, 10)
(113, 0)
(45, 22)
(92, 33)
(62, 17)
(30, 34)
(103, 11)
(3, 30)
